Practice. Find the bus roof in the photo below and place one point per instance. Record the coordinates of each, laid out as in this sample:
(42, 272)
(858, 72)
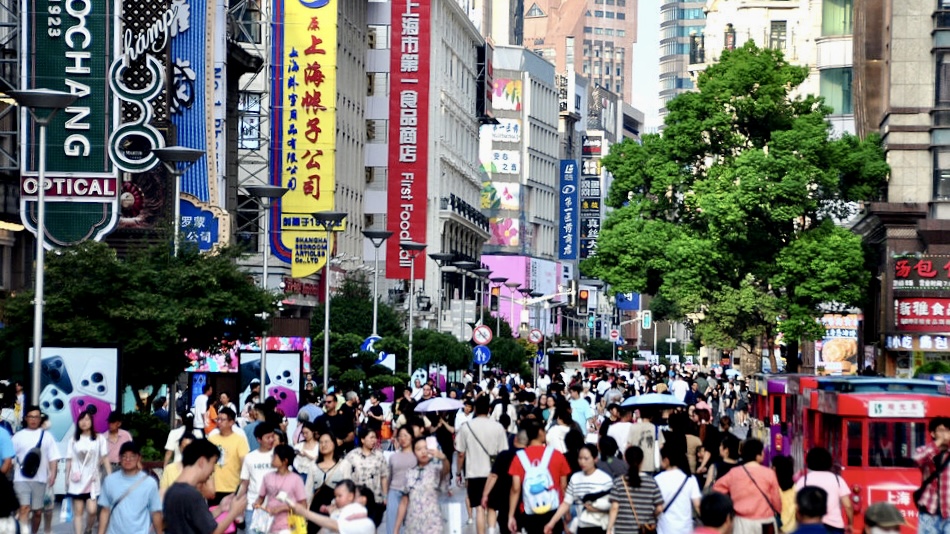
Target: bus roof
(888, 406)
(860, 384)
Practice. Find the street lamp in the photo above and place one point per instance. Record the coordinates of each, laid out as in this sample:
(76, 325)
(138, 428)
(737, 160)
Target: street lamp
(482, 274)
(414, 249)
(265, 194)
(512, 287)
(442, 259)
(48, 102)
(525, 293)
(538, 324)
(328, 220)
(170, 157)
(498, 281)
(463, 267)
(377, 237)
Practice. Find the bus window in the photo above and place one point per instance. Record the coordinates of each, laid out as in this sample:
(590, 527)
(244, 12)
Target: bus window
(777, 415)
(855, 443)
(831, 436)
(893, 443)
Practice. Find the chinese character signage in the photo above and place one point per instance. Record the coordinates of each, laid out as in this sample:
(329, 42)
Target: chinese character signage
(922, 314)
(896, 408)
(590, 215)
(920, 273)
(918, 342)
(897, 489)
(568, 216)
(408, 133)
(506, 131)
(69, 46)
(839, 346)
(303, 135)
(204, 227)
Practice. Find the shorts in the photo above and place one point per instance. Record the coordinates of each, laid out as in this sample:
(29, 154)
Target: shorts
(476, 486)
(80, 496)
(30, 494)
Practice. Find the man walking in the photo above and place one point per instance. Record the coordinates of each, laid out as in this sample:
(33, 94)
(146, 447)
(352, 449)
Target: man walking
(546, 490)
(933, 497)
(232, 448)
(257, 464)
(129, 501)
(185, 509)
(581, 410)
(30, 490)
(201, 407)
(478, 442)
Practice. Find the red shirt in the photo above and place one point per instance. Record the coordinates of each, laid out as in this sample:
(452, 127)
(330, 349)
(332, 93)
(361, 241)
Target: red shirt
(557, 467)
(935, 499)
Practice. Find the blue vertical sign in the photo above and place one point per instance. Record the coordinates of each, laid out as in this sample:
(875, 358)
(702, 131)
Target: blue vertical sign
(567, 240)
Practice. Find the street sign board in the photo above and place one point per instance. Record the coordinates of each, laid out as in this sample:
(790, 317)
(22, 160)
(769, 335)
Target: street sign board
(646, 319)
(670, 340)
(535, 336)
(614, 335)
(482, 354)
(540, 357)
(482, 335)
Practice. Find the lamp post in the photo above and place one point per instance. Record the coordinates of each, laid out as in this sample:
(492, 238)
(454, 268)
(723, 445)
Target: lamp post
(170, 157)
(538, 324)
(328, 220)
(525, 293)
(42, 104)
(441, 259)
(265, 194)
(413, 249)
(377, 237)
(463, 267)
(512, 287)
(482, 274)
(498, 281)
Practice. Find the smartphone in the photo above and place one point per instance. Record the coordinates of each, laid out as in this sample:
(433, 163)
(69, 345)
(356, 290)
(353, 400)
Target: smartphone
(432, 444)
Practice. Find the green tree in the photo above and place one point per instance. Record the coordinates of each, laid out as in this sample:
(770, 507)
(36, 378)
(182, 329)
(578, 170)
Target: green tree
(731, 212)
(150, 305)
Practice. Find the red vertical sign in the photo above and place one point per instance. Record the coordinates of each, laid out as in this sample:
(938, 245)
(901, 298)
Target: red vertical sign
(408, 133)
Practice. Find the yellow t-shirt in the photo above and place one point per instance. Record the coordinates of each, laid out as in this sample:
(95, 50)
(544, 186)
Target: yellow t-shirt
(169, 475)
(227, 474)
(789, 508)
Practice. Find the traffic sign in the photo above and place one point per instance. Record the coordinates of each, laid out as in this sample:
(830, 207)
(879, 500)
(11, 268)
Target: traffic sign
(482, 354)
(614, 335)
(482, 334)
(535, 336)
(540, 357)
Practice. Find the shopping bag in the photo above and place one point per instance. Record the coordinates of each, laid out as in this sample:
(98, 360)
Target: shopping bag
(452, 517)
(260, 522)
(66, 511)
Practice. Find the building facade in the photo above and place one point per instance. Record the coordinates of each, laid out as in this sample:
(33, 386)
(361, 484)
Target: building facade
(678, 22)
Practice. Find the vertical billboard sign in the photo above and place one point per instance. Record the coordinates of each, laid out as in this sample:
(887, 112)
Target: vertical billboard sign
(408, 133)
(68, 46)
(567, 227)
(303, 128)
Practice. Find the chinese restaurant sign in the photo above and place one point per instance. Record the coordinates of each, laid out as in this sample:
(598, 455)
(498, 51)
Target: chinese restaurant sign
(303, 104)
(921, 273)
(922, 314)
(918, 342)
(408, 133)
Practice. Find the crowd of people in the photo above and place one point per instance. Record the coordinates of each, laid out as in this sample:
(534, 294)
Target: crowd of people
(561, 455)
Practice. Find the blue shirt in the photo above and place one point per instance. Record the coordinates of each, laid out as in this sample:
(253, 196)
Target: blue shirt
(134, 513)
(817, 528)
(581, 412)
(6, 445)
(313, 411)
(249, 432)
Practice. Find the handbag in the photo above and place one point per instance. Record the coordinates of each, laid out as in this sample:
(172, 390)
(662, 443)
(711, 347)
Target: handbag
(776, 514)
(261, 521)
(641, 528)
(297, 523)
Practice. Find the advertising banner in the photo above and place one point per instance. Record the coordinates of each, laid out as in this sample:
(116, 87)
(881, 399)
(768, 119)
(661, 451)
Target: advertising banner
(69, 47)
(839, 346)
(922, 314)
(408, 133)
(303, 129)
(283, 378)
(590, 199)
(920, 273)
(567, 219)
(506, 131)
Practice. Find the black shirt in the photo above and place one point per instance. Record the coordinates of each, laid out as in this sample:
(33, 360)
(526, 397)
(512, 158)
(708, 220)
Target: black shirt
(341, 425)
(186, 511)
(372, 423)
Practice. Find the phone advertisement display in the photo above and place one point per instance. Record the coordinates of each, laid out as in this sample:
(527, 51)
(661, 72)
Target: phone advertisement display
(282, 380)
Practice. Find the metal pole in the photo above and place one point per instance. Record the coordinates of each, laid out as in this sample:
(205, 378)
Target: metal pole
(462, 308)
(498, 314)
(412, 290)
(375, 288)
(441, 296)
(40, 270)
(481, 298)
(326, 313)
(266, 205)
(511, 309)
(177, 176)
(656, 350)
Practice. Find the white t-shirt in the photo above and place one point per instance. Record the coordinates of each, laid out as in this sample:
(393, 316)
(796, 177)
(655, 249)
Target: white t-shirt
(26, 439)
(201, 408)
(174, 437)
(544, 382)
(602, 387)
(86, 455)
(256, 464)
(620, 431)
(361, 525)
(678, 516)
(680, 388)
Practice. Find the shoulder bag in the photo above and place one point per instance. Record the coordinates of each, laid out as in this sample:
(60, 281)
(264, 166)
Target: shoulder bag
(642, 528)
(775, 513)
(677, 494)
(125, 494)
(932, 476)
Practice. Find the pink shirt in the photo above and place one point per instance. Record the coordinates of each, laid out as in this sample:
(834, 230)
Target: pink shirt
(835, 486)
(747, 500)
(273, 484)
(122, 436)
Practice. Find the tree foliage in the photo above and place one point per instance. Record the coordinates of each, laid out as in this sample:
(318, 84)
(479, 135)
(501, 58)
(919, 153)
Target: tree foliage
(150, 305)
(731, 212)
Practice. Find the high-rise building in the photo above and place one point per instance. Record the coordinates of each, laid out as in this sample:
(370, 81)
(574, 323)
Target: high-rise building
(678, 22)
(595, 36)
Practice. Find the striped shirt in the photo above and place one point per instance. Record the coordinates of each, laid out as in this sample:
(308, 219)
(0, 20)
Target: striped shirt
(581, 485)
(646, 498)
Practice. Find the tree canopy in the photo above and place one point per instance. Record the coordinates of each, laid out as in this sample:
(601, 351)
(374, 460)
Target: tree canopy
(730, 215)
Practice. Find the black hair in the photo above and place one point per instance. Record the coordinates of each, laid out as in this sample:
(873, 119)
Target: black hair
(92, 425)
(715, 509)
(481, 405)
(784, 467)
(374, 510)
(337, 452)
(532, 428)
(227, 412)
(819, 459)
(563, 413)
(634, 457)
(592, 449)
(199, 448)
(115, 417)
(206, 388)
(938, 421)
(187, 436)
(348, 484)
(812, 502)
(188, 421)
(364, 431)
(731, 444)
(751, 449)
(262, 430)
(608, 447)
(285, 453)
(677, 458)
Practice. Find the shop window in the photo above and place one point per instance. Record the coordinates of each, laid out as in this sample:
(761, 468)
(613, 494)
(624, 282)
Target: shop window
(249, 120)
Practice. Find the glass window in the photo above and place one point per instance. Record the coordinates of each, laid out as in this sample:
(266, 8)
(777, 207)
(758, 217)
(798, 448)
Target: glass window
(855, 443)
(777, 34)
(245, 18)
(598, 31)
(249, 120)
(621, 33)
(609, 32)
(942, 174)
(943, 80)
(621, 16)
(892, 443)
(837, 17)
(622, 3)
(835, 86)
(610, 14)
(587, 29)
(599, 13)
(534, 11)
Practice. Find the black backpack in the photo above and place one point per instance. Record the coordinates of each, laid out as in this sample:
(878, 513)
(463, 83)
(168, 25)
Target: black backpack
(31, 462)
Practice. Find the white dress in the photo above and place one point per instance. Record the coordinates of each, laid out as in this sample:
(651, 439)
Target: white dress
(86, 455)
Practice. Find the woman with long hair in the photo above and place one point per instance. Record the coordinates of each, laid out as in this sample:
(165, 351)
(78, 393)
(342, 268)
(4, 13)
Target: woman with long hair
(680, 491)
(369, 464)
(172, 448)
(635, 499)
(784, 467)
(728, 459)
(587, 495)
(400, 462)
(558, 431)
(283, 481)
(307, 451)
(502, 405)
(419, 505)
(328, 471)
(84, 454)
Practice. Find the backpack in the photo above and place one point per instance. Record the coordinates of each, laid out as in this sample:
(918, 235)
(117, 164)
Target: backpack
(538, 491)
(31, 462)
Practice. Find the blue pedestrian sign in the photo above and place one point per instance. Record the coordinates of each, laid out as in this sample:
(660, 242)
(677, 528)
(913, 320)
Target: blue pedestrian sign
(482, 354)
(540, 357)
(367, 346)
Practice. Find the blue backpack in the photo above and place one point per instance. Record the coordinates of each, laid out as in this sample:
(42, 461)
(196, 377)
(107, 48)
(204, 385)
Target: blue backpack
(538, 492)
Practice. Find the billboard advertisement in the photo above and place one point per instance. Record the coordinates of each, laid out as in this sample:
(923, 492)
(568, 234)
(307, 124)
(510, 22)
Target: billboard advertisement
(838, 353)
(303, 129)
(283, 379)
(590, 199)
(921, 314)
(70, 47)
(567, 219)
(408, 133)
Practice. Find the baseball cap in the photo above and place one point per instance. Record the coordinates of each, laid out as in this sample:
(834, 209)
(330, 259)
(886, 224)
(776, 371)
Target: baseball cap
(129, 446)
(883, 514)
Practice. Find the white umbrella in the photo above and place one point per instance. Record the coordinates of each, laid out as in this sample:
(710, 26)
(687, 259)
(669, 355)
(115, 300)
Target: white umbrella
(439, 404)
